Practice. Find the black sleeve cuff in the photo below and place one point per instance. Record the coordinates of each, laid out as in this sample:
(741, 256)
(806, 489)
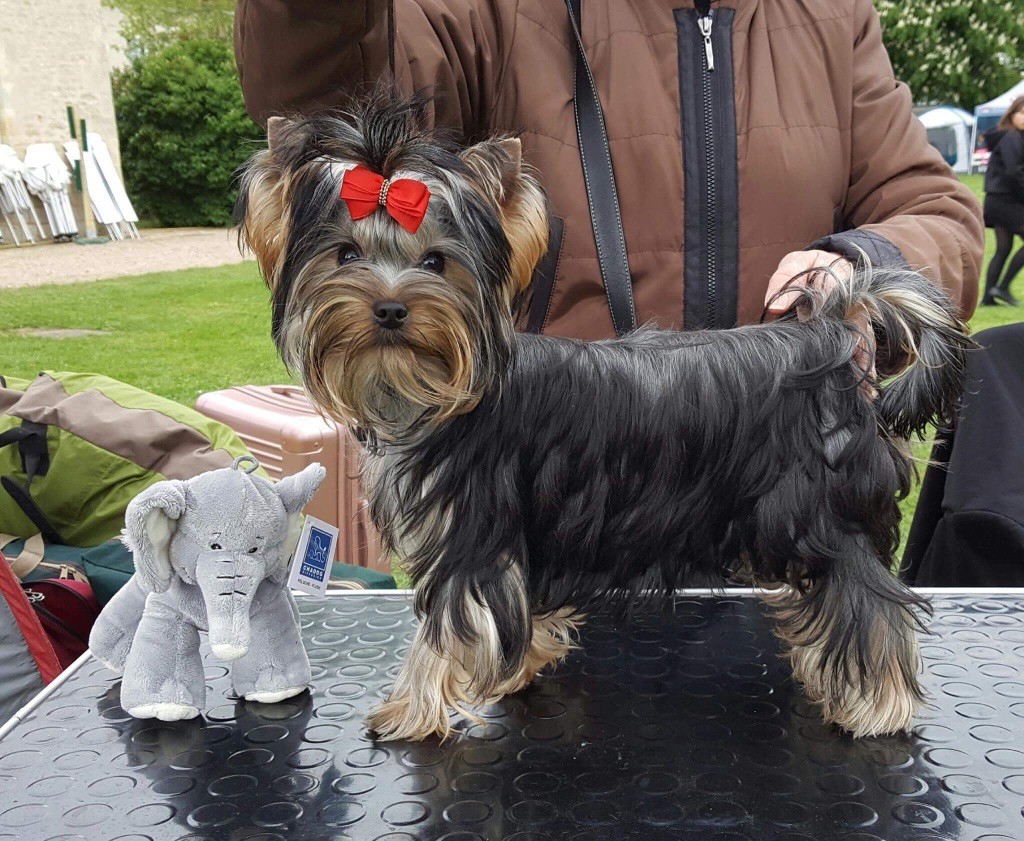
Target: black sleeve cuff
(881, 252)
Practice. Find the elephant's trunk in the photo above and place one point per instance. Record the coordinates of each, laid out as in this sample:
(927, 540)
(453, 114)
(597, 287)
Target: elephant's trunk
(229, 624)
(228, 588)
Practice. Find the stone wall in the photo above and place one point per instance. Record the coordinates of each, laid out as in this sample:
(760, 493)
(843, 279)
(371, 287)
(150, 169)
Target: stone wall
(54, 53)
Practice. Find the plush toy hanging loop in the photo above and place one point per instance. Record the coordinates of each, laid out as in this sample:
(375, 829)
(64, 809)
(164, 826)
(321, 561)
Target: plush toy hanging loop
(254, 465)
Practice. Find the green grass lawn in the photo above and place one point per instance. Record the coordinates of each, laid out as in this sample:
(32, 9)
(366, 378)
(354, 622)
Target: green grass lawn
(179, 334)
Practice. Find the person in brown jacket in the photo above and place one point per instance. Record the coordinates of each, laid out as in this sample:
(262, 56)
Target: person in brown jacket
(750, 139)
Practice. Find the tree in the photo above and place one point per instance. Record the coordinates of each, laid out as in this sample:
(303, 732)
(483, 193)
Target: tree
(962, 53)
(183, 130)
(149, 25)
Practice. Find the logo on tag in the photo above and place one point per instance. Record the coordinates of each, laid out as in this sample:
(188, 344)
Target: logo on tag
(311, 565)
(314, 562)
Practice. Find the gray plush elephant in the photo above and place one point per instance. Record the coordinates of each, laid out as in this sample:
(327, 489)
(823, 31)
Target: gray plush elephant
(211, 553)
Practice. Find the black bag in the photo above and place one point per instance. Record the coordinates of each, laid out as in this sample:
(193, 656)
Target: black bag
(968, 529)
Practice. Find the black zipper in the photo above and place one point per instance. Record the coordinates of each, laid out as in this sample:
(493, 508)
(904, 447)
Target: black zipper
(710, 173)
(705, 22)
(49, 615)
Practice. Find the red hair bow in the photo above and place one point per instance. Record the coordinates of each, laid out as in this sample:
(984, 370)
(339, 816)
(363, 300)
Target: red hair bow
(405, 200)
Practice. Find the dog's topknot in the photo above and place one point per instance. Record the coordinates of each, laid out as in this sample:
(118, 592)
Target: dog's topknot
(385, 132)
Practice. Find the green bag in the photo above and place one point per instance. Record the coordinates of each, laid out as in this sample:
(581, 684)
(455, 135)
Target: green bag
(75, 449)
(348, 577)
(109, 566)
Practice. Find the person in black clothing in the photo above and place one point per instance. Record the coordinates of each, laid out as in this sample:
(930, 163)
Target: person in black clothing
(1004, 201)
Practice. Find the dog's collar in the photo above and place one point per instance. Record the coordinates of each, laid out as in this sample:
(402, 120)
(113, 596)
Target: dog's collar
(368, 440)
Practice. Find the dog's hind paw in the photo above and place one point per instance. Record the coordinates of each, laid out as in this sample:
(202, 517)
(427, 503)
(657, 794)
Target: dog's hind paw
(881, 702)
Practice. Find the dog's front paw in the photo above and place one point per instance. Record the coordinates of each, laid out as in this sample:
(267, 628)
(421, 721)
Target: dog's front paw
(409, 719)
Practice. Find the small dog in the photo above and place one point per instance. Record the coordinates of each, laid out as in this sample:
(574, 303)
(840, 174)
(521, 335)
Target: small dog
(528, 479)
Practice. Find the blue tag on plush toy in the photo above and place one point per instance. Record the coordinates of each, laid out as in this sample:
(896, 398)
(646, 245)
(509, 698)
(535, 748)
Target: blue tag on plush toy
(311, 566)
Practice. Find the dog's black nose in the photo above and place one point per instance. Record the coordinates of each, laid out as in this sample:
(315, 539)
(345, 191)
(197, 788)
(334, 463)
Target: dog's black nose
(390, 314)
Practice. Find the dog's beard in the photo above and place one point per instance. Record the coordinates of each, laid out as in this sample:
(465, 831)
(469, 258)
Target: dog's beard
(385, 380)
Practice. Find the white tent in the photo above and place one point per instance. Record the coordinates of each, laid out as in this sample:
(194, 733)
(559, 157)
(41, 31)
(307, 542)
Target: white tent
(949, 131)
(988, 113)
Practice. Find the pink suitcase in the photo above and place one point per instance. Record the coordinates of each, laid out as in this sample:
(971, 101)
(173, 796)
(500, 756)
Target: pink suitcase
(281, 428)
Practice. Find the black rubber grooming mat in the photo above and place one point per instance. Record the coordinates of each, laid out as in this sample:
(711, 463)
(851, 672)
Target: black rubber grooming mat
(683, 725)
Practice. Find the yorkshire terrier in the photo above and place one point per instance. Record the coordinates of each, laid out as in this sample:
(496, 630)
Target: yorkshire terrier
(525, 480)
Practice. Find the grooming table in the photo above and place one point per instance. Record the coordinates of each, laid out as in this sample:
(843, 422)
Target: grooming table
(679, 725)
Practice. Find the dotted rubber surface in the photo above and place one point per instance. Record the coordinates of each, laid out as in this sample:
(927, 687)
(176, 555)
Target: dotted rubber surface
(680, 726)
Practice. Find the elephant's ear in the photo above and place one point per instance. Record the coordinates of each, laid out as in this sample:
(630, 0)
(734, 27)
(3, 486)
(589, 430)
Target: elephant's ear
(150, 522)
(295, 492)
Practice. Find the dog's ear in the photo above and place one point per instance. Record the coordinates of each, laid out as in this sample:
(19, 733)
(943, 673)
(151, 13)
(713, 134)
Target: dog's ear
(498, 171)
(261, 211)
(496, 164)
(277, 130)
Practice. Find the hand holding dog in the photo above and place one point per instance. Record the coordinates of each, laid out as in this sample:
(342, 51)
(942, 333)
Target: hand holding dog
(796, 270)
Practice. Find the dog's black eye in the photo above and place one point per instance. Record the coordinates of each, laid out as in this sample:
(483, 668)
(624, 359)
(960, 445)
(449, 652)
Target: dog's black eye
(215, 546)
(433, 261)
(347, 253)
(254, 550)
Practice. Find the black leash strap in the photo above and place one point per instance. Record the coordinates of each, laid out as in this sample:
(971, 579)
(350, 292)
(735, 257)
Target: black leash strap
(603, 198)
(31, 440)
(24, 501)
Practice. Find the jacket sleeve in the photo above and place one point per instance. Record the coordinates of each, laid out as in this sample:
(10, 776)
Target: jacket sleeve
(1011, 149)
(301, 56)
(904, 204)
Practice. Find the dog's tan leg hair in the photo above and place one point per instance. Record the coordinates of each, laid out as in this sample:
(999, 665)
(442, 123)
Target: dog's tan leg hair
(554, 636)
(459, 675)
(884, 702)
(427, 686)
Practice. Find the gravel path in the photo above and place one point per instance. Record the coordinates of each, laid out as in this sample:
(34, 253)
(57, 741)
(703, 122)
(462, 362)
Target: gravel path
(159, 250)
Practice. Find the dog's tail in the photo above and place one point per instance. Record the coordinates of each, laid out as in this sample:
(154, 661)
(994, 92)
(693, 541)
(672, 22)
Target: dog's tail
(920, 338)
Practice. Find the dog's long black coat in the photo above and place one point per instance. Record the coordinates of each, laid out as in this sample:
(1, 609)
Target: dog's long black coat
(639, 465)
(523, 475)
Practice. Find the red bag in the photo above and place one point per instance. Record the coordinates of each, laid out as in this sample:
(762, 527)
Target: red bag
(66, 609)
(19, 626)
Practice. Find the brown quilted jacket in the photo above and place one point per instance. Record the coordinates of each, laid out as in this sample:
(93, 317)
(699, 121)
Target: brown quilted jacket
(801, 136)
